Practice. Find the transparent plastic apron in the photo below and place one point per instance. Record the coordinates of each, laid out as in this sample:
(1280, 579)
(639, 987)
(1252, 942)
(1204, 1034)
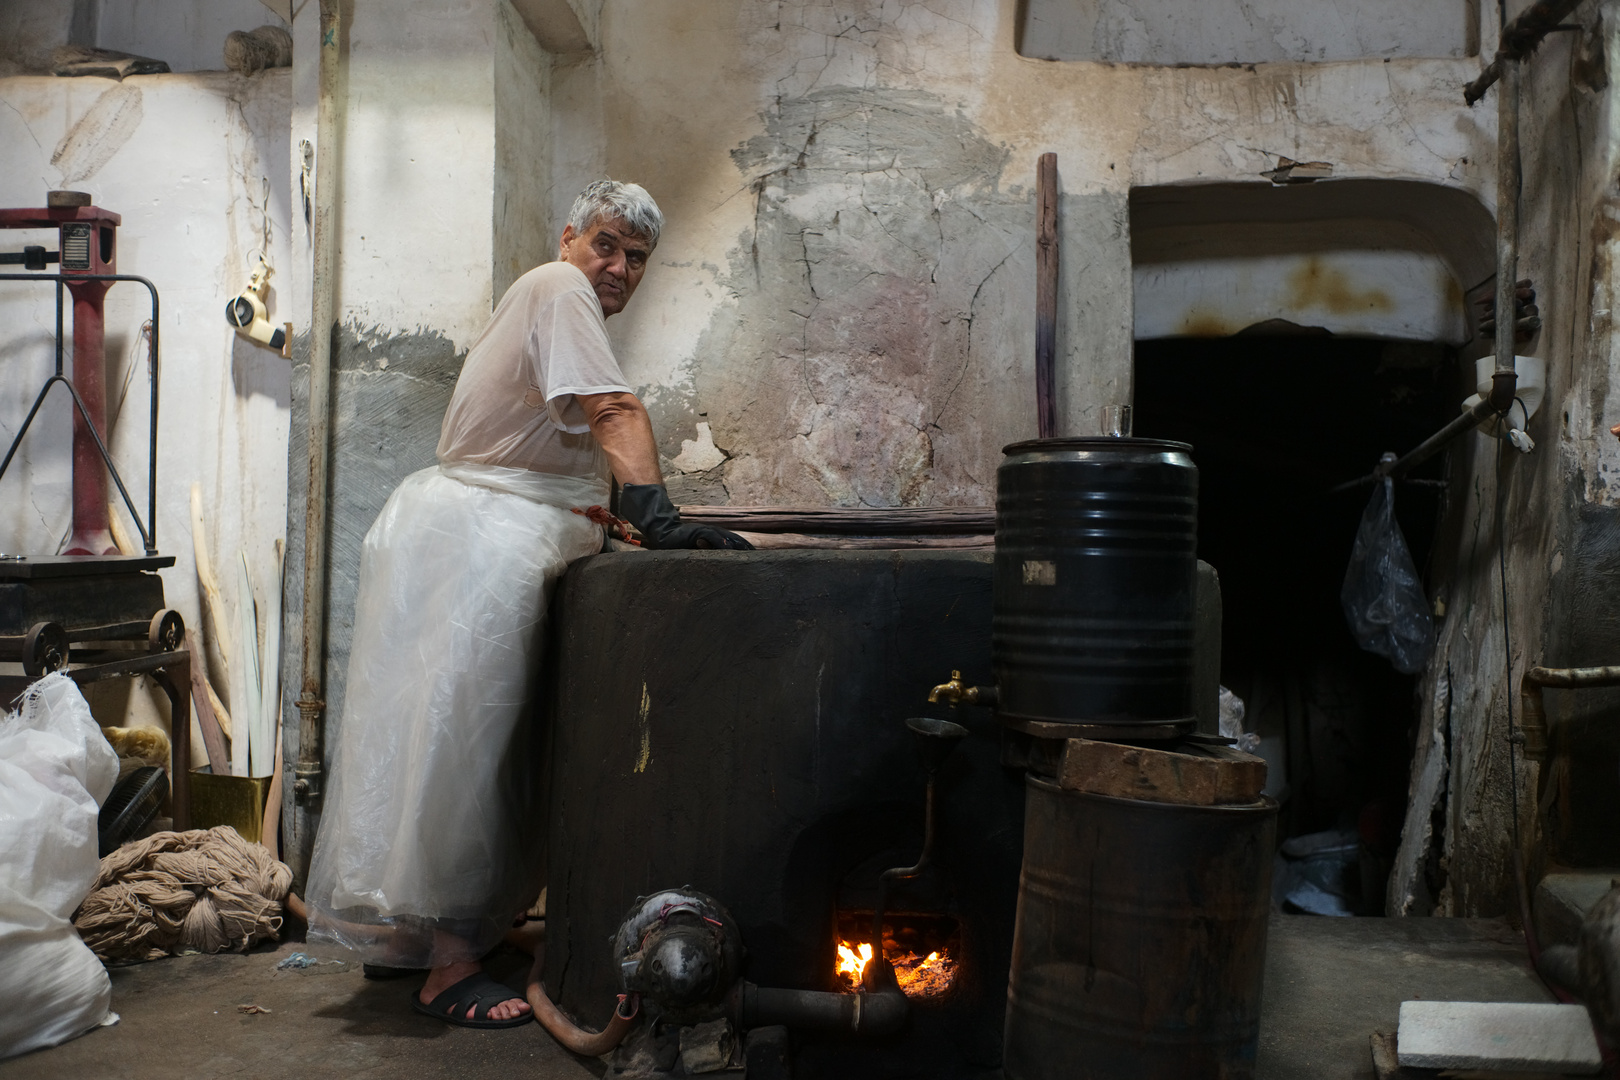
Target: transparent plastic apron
(430, 839)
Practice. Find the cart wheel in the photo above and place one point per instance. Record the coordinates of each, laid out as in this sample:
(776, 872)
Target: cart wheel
(167, 632)
(45, 649)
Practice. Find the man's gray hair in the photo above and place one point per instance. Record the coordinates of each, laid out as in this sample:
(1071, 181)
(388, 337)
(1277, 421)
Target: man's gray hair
(615, 201)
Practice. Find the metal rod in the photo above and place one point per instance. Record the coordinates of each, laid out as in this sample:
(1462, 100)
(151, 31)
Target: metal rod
(901, 873)
(1424, 450)
(152, 355)
(311, 704)
(38, 401)
(1505, 378)
(1533, 715)
(1519, 39)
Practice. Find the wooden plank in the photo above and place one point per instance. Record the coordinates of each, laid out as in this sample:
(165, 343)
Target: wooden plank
(771, 541)
(1210, 776)
(1046, 290)
(865, 521)
(213, 735)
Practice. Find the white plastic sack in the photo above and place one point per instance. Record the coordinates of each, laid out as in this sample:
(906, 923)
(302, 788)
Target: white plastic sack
(55, 771)
(430, 841)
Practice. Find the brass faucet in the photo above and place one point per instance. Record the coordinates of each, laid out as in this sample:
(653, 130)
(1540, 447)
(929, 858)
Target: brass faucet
(956, 692)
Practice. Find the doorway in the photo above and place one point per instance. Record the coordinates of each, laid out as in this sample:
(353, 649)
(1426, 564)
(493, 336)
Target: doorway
(1276, 421)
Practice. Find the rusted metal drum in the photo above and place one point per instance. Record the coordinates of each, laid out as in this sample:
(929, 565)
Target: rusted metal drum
(1141, 938)
(1095, 580)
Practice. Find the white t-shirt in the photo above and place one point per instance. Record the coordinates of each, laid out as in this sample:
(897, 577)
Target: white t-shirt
(514, 403)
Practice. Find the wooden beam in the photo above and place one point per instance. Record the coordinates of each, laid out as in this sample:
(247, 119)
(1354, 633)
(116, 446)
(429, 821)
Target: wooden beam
(1191, 775)
(1046, 290)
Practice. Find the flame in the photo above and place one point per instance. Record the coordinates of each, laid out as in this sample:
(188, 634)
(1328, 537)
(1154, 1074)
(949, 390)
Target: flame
(918, 976)
(852, 961)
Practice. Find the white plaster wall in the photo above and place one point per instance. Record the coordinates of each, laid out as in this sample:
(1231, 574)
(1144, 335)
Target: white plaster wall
(418, 164)
(523, 235)
(1245, 31)
(185, 159)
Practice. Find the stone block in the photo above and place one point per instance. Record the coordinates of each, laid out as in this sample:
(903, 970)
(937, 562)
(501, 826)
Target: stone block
(1505, 1036)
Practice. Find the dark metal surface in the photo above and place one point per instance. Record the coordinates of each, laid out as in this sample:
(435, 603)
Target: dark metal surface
(83, 600)
(734, 722)
(57, 566)
(680, 950)
(1095, 583)
(1141, 937)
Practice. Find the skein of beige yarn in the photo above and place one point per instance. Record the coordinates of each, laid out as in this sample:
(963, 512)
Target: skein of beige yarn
(198, 891)
(248, 51)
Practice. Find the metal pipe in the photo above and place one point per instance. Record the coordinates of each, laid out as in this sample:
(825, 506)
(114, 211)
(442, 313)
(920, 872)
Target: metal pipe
(1505, 378)
(1533, 713)
(902, 873)
(1518, 40)
(569, 1035)
(1396, 467)
(311, 705)
(865, 1013)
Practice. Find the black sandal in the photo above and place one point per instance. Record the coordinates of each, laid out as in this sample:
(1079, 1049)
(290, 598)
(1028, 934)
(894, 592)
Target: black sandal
(475, 990)
(383, 971)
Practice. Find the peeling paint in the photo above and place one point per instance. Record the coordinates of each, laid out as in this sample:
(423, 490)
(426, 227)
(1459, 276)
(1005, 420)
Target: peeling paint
(99, 134)
(878, 224)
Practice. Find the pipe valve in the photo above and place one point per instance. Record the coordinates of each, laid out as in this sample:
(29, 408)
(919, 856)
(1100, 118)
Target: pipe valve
(956, 692)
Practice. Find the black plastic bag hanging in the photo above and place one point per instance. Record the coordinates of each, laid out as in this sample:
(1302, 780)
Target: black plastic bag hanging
(1383, 598)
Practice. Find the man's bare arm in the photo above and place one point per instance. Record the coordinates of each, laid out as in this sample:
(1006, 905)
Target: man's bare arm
(621, 424)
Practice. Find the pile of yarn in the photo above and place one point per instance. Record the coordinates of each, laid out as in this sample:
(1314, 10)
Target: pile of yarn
(198, 891)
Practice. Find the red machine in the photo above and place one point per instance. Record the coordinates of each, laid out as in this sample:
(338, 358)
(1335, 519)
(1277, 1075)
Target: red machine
(88, 267)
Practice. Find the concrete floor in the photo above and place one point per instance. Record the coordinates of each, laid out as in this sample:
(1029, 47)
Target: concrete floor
(1330, 983)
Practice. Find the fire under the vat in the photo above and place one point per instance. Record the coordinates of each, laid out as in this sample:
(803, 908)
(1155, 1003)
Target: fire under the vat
(922, 948)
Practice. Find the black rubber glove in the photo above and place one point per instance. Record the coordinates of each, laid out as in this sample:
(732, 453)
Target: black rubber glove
(647, 507)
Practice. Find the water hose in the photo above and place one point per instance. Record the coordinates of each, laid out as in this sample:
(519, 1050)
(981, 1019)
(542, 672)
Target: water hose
(570, 1036)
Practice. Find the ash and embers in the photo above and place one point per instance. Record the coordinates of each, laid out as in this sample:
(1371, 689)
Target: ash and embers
(918, 975)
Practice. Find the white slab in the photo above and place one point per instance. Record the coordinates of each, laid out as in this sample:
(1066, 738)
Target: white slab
(1505, 1036)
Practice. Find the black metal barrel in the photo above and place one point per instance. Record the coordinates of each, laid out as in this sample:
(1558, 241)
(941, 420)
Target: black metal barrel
(1095, 579)
(1140, 941)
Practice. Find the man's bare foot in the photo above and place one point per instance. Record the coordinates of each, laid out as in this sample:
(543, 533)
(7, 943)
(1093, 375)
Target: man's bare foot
(441, 979)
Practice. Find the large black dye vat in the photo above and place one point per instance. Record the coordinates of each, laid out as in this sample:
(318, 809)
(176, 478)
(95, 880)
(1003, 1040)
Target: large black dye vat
(735, 722)
(1141, 939)
(1095, 586)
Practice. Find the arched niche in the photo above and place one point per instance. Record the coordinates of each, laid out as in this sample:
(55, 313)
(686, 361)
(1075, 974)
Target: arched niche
(1390, 259)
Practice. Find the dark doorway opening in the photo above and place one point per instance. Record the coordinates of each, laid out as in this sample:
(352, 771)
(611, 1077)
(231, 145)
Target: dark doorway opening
(1275, 423)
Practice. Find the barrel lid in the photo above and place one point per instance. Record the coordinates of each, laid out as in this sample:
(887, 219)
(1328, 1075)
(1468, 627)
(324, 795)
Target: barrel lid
(1094, 443)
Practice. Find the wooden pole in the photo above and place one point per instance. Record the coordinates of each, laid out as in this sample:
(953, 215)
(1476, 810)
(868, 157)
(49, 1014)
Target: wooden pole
(1046, 289)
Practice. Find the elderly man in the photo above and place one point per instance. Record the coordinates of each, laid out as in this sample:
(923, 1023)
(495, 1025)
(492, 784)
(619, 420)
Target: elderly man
(432, 841)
